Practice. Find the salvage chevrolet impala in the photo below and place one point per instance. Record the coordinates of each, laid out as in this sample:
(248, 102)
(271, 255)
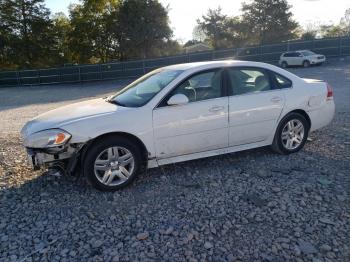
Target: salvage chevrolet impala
(179, 113)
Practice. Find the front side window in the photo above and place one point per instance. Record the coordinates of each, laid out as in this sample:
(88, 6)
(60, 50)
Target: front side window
(141, 91)
(246, 80)
(202, 86)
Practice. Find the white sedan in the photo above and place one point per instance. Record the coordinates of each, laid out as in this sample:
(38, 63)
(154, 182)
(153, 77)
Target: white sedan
(178, 113)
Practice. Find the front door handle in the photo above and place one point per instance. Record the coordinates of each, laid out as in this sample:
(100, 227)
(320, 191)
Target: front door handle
(216, 108)
(276, 99)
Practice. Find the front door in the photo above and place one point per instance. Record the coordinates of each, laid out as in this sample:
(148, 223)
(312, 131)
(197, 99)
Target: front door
(200, 125)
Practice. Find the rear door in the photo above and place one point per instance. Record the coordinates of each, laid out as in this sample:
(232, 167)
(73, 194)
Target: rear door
(255, 104)
(299, 58)
(291, 58)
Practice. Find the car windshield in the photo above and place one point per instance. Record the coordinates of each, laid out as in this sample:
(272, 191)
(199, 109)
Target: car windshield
(307, 53)
(141, 91)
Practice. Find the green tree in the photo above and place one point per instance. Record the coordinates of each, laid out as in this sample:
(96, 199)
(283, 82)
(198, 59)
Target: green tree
(331, 30)
(214, 26)
(308, 35)
(198, 34)
(269, 21)
(60, 30)
(238, 32)
(191, 42)
(168, 48)
(345, 22)
(91, 24)
(142, 28)
(25, 32)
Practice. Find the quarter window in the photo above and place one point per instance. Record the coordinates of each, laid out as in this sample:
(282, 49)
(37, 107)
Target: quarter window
(281, 81)
(245, 81)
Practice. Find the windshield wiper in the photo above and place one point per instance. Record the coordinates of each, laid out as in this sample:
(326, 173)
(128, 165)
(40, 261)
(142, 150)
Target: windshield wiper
(112, 101)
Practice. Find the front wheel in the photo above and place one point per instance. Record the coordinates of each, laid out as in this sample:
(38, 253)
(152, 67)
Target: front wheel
(291, 134)
(112, 163)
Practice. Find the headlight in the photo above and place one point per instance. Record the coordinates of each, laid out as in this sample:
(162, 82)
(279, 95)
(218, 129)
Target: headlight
(47, 139)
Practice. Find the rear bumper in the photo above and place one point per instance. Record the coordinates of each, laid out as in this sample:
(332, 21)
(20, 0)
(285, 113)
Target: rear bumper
(322, 116)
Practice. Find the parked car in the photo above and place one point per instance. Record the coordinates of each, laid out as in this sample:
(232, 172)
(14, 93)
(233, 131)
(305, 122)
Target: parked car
(303, 58)
(179, 113)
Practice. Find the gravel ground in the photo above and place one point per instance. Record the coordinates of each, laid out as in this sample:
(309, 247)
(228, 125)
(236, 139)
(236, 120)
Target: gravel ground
(248, 206)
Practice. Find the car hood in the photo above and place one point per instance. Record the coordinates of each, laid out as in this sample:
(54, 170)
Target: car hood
(67, 114)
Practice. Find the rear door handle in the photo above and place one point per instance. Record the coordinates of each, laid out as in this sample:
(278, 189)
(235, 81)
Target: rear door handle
(276, 99)
(216, 108)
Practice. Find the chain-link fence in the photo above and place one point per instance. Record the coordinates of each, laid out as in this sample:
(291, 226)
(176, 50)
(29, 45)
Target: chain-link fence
(330, 47)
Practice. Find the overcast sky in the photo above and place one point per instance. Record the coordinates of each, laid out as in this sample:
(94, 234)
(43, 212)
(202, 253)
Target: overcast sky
(184, 13)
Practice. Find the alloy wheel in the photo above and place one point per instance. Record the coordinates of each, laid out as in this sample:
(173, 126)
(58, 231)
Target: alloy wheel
(114, 165)
(293, 134)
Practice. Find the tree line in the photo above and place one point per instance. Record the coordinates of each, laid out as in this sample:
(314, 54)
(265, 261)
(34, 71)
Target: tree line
(98, 31)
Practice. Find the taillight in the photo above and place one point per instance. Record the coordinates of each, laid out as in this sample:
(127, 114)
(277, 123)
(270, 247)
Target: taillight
(329, 91)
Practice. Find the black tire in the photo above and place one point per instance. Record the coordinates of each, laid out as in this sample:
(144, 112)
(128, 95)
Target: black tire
(99, 146)
(277, 144)
(306, 63)
(284, 64)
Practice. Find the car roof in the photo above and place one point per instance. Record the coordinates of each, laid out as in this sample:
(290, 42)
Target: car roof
(201, 66)
(296, 51)
(213, 64)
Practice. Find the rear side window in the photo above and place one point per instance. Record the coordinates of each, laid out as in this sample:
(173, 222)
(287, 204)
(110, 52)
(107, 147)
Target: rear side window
(292, 54)
(248, 80)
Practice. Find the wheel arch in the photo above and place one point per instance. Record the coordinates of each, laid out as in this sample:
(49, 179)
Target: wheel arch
(128, 136)
(298, 111)
(304, 114)
(295, 111)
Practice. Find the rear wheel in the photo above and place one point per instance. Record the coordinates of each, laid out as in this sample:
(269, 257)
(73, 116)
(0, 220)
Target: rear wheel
(291, 134)
(306, 63)
(284, 64)
(112, 163)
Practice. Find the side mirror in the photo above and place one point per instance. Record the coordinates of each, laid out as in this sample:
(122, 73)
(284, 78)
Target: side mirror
(178, 99)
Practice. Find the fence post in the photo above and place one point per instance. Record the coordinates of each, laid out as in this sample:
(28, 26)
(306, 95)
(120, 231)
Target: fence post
(79, 74)
(212, 55)
(340, 45)
(288, 46)
(144, 66)
(18, 79)
(188, 58)
(100, 71)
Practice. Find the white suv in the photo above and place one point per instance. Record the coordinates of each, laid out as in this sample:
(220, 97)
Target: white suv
(303, 58)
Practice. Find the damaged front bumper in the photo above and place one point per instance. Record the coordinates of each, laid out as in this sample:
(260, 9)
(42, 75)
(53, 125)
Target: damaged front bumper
(65, 157)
